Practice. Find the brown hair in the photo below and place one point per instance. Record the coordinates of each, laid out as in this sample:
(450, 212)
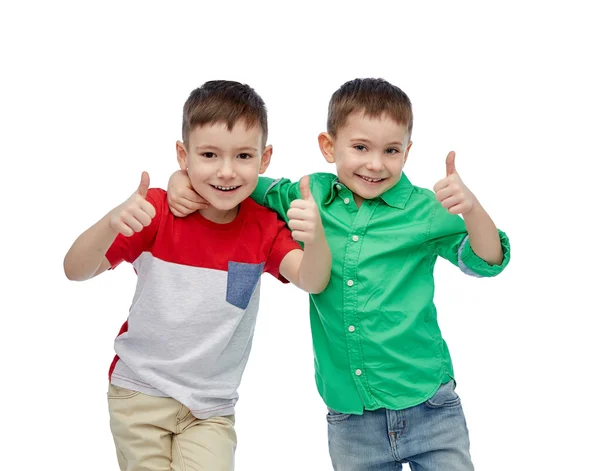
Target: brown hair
(372, 96)
(224, 101)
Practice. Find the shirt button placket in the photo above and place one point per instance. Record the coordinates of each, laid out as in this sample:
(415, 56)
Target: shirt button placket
(353, 246)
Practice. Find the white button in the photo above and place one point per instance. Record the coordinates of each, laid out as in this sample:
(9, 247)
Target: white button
(339, 187)
(358, 372)
(346, 200)
(351, 328)
(355, 238)
(350, 283)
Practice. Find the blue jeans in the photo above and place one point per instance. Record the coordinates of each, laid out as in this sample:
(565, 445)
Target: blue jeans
(432, 436)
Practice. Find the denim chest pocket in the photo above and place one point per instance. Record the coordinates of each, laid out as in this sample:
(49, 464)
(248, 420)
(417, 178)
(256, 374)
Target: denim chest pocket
(444, 397)
(242, 279)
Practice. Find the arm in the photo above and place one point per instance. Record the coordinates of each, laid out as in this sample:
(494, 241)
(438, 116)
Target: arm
(182, 197)
(86, 257)
(485, 250)
(309, 270)
(448, 238)
(454, 195)
(483, 235)
(276, 195)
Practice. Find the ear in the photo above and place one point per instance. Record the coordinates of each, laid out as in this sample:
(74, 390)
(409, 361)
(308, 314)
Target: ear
(181, 155)
(265, 159)
(406, 153)
(326, 145)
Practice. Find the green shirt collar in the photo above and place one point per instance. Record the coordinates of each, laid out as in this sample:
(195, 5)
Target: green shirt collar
(397, 196)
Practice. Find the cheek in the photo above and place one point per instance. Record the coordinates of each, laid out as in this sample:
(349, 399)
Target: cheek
(249, 169)
(196, 172)
(395, 166)
(340, 168)
(346, 165)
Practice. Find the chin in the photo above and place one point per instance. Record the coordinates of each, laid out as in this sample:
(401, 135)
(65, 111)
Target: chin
(367, 193)
(221, 206)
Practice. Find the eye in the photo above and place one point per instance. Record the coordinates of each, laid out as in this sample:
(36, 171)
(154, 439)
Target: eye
(244, 156)
(208, 155)
(391, 151)
(360, 147)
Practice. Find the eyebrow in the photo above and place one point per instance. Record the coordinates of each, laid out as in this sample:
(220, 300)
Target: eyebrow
(206, 148)
(211, 148)
(395, 143)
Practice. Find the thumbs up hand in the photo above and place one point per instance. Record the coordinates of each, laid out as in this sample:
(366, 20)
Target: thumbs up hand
(452, 192)
(135, 213)
(304, 217)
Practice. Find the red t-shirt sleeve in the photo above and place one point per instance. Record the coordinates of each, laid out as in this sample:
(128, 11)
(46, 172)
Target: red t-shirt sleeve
(282, 245)
(128, 249)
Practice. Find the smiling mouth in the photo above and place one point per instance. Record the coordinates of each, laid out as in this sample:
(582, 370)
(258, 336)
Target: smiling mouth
(225, 188)
(369, 179)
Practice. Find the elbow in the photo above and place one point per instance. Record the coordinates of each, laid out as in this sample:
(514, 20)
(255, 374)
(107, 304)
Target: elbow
(319, 288)
(70, 272)
(70, 275)
(320, 285)
(67, 269)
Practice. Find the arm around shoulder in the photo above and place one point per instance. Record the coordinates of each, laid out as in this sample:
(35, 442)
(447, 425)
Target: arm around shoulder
(277, 195)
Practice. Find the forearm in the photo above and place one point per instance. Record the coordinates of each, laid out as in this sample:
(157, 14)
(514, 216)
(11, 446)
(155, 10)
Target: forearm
(483, 235)
(276, 195)
(87, 253)
(315, 268)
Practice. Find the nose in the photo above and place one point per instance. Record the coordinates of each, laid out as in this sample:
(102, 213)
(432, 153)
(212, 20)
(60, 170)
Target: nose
(375, 162)
(226, 170)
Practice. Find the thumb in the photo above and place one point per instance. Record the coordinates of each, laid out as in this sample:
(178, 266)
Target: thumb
(450, 167)
(305, 188)
(142, 190)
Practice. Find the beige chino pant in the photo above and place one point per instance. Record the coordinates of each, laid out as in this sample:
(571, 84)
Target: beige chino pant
(160, 434)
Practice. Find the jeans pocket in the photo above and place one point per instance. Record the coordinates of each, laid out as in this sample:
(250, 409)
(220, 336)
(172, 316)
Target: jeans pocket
(242, 279)
(445, 396)
(335, 416)
(117, 392)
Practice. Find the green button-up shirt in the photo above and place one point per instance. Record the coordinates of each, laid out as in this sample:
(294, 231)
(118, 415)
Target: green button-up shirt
(377, 343)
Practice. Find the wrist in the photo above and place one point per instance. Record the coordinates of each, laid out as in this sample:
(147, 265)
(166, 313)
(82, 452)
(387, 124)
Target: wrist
(318, 239)
(107, 223)
(476, 209)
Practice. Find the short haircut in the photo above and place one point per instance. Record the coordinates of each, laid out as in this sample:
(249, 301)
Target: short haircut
(372, 96)
(224, 101)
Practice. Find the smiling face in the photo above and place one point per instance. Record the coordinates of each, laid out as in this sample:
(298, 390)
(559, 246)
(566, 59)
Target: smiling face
(223, 165)
(369, 153)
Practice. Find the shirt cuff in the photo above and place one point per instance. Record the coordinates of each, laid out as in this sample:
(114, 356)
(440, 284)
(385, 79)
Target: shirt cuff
(471, 264)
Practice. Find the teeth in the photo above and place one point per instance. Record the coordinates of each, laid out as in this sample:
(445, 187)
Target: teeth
(225, 188)
(371, 179)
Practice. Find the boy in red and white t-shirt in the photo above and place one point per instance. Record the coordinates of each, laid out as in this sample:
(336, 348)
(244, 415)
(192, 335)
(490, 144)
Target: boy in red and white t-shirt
(182, 351)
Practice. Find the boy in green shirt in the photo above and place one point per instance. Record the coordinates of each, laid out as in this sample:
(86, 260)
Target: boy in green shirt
(381, 364)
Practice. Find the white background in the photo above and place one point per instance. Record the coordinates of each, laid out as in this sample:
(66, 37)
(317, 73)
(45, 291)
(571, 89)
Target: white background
(91, 95)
